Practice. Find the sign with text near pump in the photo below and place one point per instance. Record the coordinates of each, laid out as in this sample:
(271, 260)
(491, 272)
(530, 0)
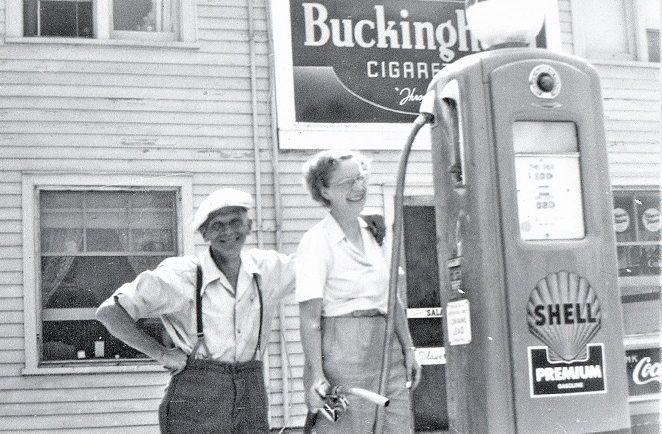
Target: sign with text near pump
(585, 375)
(427, 355)
(564, 313)
(549, 198)
(458, 317)
(644, 371)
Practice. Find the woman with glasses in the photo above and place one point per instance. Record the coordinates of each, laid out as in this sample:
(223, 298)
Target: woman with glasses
(342, 280)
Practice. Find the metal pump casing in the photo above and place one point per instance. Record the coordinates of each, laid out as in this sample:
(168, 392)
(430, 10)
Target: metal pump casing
(497, 247)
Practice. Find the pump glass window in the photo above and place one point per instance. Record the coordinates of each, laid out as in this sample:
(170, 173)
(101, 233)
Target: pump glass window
(549, 197)
(637, 226)
(91, 243)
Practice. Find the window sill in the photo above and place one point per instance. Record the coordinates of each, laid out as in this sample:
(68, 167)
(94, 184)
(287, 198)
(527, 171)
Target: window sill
(638, 281)
(95, 368)
(626, 63)
(107, 42)
(651, 340)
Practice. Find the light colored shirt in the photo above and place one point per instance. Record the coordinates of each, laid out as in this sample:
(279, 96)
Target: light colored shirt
(230, 318)
(330, 267)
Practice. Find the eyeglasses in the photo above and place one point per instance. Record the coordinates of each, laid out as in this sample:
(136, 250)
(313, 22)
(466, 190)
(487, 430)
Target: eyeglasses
(350, 182)
(218, 226)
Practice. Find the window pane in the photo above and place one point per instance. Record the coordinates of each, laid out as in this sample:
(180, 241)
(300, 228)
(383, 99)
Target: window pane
(147, 218)
(144, 15)
(66, 219)
(606, 33)
(156, 199)
(59, 240)
(648, 213)
(61, 199)
(106, 240)
(112, 218)
(80, 340)
(629, 258)
(152, 240)
(624, 217)
(78, 232)
(650, 260)
(653, 37)
(104, 199)
(65, 18)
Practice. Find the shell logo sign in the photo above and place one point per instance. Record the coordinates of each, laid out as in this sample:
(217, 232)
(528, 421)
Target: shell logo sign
(564, 313)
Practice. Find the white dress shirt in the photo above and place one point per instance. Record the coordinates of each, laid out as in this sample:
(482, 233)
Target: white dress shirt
(230, 318)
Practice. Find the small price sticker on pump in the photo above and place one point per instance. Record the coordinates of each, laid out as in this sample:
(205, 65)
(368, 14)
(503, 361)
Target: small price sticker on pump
(458, 316)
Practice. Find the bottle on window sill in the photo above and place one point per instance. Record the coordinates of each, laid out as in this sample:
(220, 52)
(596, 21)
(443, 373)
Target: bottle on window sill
(99, 347)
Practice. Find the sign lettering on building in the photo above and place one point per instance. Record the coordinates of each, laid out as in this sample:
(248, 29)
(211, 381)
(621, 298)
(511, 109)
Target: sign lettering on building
(371, 62)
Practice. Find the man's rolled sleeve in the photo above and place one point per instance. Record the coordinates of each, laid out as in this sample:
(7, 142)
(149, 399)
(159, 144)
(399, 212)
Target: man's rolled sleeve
(311, 268)
(154, 293)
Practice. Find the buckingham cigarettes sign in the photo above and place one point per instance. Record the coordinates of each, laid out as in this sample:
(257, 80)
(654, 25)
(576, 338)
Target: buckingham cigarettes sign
(357, 61)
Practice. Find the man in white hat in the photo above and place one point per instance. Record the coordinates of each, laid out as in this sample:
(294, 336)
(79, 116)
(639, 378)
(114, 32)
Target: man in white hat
(217, 309)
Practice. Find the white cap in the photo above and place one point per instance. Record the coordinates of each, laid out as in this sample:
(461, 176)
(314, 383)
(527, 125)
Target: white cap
(221, 198)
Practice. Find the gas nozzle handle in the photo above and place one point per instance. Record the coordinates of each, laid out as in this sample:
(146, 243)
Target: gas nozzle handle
(368, 395)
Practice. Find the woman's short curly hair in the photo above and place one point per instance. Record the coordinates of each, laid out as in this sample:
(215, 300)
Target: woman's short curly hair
(317, 171)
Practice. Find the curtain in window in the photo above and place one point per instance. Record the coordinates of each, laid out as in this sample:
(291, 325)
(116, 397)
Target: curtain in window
(138, 263)
(56, 268)
(145, 15)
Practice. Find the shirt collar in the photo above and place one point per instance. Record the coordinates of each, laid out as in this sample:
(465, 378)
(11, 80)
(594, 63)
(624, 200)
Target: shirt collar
(334, 232)
(210, 271)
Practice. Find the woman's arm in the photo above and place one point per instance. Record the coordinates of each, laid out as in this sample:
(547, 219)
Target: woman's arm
(310, 314)
(402, 332)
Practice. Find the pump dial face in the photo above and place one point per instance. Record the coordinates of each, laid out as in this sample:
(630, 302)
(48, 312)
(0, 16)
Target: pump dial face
(544, 82)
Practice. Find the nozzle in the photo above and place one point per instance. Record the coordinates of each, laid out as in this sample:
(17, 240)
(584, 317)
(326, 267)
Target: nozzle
(427, 106)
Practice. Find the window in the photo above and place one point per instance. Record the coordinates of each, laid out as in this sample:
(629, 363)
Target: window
(637, 226)
(146, 16)
(91, 243)
(151, 20)
(623, 30)
(58, 18)
(87, 241)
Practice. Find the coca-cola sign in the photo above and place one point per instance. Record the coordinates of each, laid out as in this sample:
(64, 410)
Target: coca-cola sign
(644, 371)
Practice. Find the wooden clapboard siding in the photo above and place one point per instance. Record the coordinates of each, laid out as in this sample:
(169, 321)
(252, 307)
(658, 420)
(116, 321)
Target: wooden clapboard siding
(631, 94)
(565, 25)
(632, 113)
(97, 108)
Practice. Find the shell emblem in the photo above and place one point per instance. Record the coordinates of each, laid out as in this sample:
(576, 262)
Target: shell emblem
(564, 312)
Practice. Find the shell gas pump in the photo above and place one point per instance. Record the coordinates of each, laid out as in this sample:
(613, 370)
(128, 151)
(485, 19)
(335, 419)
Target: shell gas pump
(525, 241)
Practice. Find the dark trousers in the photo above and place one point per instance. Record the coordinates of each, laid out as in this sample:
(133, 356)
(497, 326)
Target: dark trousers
(214, 397)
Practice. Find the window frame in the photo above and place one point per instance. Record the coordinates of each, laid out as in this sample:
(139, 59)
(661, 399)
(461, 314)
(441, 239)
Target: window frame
(634, 285)
(140, 35)
(635, 27)
(32, 184)
(103, 29)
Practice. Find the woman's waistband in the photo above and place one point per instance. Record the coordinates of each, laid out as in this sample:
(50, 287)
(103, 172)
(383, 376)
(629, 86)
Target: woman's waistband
(360, 314)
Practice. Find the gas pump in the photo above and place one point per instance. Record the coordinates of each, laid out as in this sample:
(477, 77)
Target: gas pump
(525, 243)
